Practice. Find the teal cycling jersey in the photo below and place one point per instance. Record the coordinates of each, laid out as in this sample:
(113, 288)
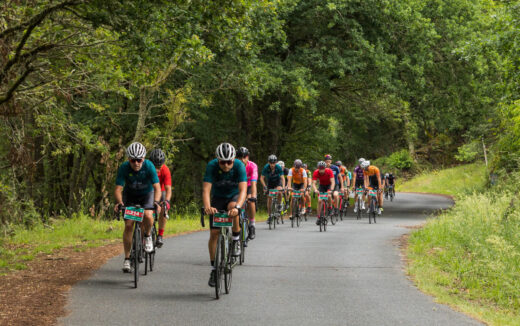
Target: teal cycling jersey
(225, 184)
(137, 183)
(270, 175)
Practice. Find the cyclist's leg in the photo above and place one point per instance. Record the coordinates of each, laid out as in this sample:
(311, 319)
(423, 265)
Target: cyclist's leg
(162, 217)
(236, 219)
(219, 204)
(127, 237)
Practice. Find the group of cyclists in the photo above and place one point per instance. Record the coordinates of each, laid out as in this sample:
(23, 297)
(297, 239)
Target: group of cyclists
(229, 180)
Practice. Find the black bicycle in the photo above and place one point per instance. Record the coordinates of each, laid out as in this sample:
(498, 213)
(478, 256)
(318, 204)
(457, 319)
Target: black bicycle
(391, 192)
(244, 232)
(272, 220)
(297, 206)
(359, 202)
(322, 217)
(149, 257)
(136, 214)
(224, 258)
(373, 207)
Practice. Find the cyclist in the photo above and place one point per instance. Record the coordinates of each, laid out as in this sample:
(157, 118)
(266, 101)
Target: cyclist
(345, 175)
(285, 174)
(385, 183)
(359, 182)
(308, 190)
(252, 179)
(391, 180)
(224, 188)
(326, 177)
(373, 179)
(338, 181)
(275, 180)
(165, 179)
(297, 177)
(137, 184)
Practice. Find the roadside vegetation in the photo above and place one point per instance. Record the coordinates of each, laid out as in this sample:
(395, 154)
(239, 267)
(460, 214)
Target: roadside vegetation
(469, 256)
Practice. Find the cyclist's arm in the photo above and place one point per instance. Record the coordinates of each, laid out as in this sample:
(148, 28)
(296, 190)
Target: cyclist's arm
(168, 189)
(289, 180)
(314, 186)
(118, 193)
(332, 183)
(262, 181)
(379, 180)
(366, 180)
(157, 192)
(253, 189)
(242, 188)
(305, 182)
(283, 181)
(206, 191)
(340, 180)
(353, 184)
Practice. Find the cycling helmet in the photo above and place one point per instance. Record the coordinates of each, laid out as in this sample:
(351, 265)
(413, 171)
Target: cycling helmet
(304, 165)
(361, 160)
(281, 163)
(225, 152)
(322, 164)
(136, 151)
(328, 157)
(365, 164)
(242, 152)
(338, 163)
(391, 174)
(272, 158)
(298, 163)
(387, 175)
(157, 157)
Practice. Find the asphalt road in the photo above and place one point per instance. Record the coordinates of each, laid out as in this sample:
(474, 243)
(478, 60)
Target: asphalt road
(350, 275)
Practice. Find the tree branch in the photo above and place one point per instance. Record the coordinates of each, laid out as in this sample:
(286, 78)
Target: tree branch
(9, 94)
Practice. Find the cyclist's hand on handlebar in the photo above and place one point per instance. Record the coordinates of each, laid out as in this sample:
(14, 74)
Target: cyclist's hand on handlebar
(210, 210)
(117, 207)
(167, 203)
(233, 212)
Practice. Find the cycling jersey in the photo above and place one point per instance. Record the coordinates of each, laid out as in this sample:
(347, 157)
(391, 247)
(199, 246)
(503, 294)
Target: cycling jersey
(137, 183)
(251, 172)
(298, 177)
(336, 172)
(391, 180)
(324, 178)
(359, 173)
(272, 176)
(165, 177)
(225, 184)
(372, 173)
(342, 170)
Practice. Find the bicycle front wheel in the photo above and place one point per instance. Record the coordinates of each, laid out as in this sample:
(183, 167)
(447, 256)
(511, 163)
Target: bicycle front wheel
(228, 270)
(136, 248)
(218, 267)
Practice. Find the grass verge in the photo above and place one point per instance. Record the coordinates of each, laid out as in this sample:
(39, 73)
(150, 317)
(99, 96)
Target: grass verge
(79, 232)
(457, 181)
(469, 256)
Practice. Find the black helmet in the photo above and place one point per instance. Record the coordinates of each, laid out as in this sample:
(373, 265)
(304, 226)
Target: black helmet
(242, 152)
(157, 157)
(272, 158)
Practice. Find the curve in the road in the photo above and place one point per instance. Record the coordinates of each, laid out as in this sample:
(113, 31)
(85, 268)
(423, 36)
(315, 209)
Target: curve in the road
(350, 275)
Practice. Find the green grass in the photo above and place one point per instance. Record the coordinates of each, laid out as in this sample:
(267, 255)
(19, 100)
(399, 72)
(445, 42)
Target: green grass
(469, 256)
(456, 181)
(80, 232)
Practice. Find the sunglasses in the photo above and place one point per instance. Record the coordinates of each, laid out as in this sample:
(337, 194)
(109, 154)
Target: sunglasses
(136, 160)
(225, 162)
(321, 168)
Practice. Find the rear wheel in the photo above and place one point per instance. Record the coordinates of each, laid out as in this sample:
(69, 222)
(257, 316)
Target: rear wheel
(332, 215)
(371, 211)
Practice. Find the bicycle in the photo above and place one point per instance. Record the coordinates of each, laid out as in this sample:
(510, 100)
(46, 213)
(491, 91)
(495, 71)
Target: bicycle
(372, 208)
(136, 214)
(322, 217)
(244, 232)
(359, 202)
(224, 259)
(392, 192)
(149, 260)
(284, 206)
(297, 205)
(273, 217)
(343, 205)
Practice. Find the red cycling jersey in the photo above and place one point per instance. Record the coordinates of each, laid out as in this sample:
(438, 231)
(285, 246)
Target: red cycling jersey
(165, 178)
(324, 178)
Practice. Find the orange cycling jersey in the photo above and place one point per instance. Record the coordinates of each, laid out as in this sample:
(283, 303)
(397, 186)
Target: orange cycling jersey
(342, 170)
(372, 171)
(298, 176)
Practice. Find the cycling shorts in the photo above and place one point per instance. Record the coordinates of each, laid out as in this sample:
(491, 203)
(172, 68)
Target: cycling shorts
(324, 188)
(273, 184)
(145, 201)
(221, 204)
(337, 187)
(297, 186)
(360, 183)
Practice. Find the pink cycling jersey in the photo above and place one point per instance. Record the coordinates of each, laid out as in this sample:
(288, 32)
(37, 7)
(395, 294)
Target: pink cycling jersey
(251, 172)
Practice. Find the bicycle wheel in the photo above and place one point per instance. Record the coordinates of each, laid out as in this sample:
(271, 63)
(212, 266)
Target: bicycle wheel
(228, 270)
(136, 248)
(243, 238)
(332, 215)
(294, 210)
(218, 267)
(371, 210)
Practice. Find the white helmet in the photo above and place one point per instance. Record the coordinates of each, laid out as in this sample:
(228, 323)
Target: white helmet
(387, 175)
(136, 151)
(281, 163)
(361, 160)
(225, 152)
(365, 164)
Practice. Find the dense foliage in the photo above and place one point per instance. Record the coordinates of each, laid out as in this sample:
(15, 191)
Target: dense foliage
(81, 79)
